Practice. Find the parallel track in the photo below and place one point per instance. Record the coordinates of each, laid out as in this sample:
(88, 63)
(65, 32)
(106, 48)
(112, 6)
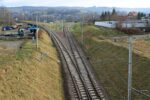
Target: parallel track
(92, 87)
(82, 80)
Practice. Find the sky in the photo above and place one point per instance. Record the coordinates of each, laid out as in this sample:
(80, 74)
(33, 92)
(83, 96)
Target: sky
(78, 3)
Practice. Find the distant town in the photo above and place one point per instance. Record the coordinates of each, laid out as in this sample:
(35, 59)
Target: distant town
(106, 17)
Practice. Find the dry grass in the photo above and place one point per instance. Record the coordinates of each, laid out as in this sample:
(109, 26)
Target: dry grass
(140, 46)
(32, 74)
(143, 46)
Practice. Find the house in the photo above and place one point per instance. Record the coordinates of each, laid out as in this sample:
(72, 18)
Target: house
(109, 24)
(132, 14)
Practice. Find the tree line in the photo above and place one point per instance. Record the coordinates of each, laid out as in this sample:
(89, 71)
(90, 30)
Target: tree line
(107, 15)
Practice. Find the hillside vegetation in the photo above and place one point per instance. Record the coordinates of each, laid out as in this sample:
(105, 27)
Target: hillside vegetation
(31, 74)
(91, 30)
(110, 63)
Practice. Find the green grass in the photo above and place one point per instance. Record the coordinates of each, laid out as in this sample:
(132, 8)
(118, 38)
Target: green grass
(8, 39)
(25, 51)
(110, 64)
(91, 30)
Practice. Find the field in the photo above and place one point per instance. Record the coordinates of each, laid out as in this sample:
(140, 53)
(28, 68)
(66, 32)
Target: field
(31, 74)
(110, 61)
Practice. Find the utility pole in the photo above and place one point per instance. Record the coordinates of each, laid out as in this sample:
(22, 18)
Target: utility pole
(82, 34)
(62, 25)
(4, 11)
(37, 30)
(9, 19)
(130, 68)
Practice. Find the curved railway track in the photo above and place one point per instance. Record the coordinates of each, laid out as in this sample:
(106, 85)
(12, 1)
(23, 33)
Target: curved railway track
(82, 80)
(93, 88)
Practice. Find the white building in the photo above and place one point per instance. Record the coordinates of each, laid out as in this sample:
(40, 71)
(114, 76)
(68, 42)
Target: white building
(109, 24)
(125, 24)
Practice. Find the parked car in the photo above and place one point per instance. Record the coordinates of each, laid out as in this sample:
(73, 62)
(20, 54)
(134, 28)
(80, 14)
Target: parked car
(6, 28)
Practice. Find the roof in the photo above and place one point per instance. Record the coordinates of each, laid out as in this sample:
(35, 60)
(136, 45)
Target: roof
(132, 14)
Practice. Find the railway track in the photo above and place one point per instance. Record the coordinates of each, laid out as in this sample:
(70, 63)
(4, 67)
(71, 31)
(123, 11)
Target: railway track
(82, 81)
(93, 88)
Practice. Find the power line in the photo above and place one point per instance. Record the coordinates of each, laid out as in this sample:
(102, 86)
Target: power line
(138, 91)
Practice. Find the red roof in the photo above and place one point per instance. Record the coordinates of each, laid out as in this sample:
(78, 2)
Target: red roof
(132, 13)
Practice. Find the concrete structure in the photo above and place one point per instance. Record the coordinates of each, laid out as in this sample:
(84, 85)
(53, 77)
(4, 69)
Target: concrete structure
(109, 24)
(136, 24)
(124, 24)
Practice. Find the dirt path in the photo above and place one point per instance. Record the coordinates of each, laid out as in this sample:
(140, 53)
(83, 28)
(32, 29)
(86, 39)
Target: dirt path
(9, 47)
(11, 44)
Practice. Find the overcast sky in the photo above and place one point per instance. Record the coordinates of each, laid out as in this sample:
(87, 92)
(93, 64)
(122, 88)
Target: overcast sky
(80, 3)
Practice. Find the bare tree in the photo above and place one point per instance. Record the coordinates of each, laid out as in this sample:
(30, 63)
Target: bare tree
(5, 16)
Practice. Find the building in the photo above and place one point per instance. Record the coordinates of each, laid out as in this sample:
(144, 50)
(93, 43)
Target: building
(109, 24)
(143, 25)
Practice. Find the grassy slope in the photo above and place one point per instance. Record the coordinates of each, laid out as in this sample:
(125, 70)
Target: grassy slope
(110, 63)
(94, 31)
(31, 74)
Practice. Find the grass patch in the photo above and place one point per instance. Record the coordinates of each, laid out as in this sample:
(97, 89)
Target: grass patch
(110, 63)
(25, 51)
(90, 30)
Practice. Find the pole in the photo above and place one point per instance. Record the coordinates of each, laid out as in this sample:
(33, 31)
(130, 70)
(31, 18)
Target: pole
(82, 30)
(37, 40)
(62, 25)
(130, 69)
(4, 14)
(37, 29)
(9, 19)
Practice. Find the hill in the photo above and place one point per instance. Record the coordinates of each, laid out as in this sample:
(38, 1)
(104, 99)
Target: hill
(85, 9)
(109, 59)
(30, 74)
